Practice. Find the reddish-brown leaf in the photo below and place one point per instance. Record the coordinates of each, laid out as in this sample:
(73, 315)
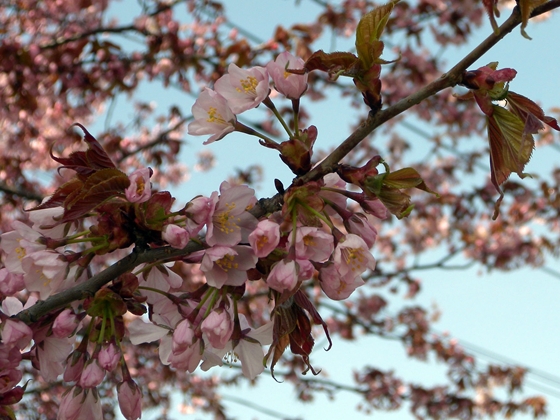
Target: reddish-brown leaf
(99, 187)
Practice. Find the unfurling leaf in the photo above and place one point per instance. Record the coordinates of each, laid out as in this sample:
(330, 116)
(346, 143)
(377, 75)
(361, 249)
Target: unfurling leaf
(510, 148)
(387, 187)
(86, 162)
(335, 64)
(368, 33)
(99, 187)
(530, 112)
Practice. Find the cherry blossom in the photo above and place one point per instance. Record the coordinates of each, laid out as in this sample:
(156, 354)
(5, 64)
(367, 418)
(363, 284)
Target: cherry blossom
(243, 88)
(212, 115)
(139, 190)
(217, 328)
(130, 400)
(291, 85)
(283, 275)
(176, 236)
(230, 223)
(227, 266)
(264, 238)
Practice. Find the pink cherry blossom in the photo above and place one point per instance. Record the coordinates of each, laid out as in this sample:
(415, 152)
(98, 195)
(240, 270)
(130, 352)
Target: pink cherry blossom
(10, 378)
(375, 208)
(187, 358)
(227, 266)
(45, 271)
(45, 221)
(248, 350)
(176, 236)
(10, 283)
(71, 405)
(15, 333)
(140, 189)
(359, 224)
(74, 366)
(352, 256)
(183, 336)
(17, 244)
(144, 332)
(212, 115)
(283, 276)
(129, 396)
(313, 244)
(217, 328)
(264, 238)
(109, 357)
(51, 355)
(80, 404)
(230, 223)
(338, 287)
(306, 269)
(65, 323)
(288, 84)
(243, 88)
(92, 375)
(198, 211)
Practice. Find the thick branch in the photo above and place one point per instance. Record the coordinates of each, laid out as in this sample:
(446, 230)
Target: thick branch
(92, 285)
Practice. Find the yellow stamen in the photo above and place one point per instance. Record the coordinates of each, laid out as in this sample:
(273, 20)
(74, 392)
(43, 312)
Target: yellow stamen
(214, 116)
(226, 263)
(225, 221)
(248, 85)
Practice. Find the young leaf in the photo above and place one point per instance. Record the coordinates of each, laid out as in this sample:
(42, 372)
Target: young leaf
(530, 113)
(510, 146)
(99, 187)
(369, 32)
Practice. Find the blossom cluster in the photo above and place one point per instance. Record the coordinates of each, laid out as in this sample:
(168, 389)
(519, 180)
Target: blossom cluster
(315, 240)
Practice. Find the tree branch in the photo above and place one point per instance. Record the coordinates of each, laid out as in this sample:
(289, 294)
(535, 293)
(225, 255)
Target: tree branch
(92, 285)
(449, 79)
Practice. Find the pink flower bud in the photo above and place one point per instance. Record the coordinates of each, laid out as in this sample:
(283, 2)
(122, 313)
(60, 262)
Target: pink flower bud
(288, 84)
(80, 404)
(265, 238)
(130, 400)
(65, 324)
(16, 333)
(183, 336)
(283, 276)
(140, 189)
(360, 225)
(92, 375)
(109, 357)
(218, 327)
(71, 404)
(10, 283)
(176, 236)
(74, 366)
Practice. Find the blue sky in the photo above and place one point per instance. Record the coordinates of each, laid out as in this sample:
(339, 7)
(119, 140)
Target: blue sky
(513, 314)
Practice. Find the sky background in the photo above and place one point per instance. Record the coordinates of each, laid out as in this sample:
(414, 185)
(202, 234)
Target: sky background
(496, 316)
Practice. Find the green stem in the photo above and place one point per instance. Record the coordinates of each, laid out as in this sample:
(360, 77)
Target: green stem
(268, 103)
